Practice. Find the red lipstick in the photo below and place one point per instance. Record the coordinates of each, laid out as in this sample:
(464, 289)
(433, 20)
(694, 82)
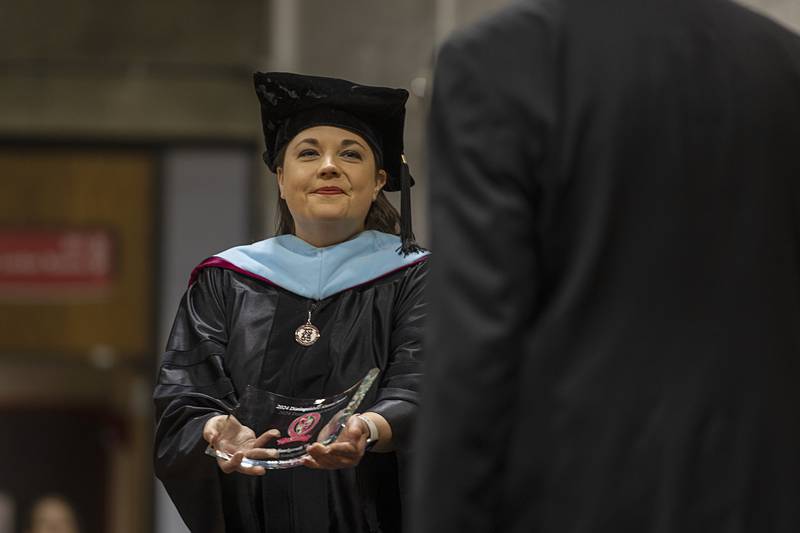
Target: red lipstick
(328, 190)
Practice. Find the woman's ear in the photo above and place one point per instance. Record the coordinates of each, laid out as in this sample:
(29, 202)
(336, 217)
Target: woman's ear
(380, 181)
(279, 173)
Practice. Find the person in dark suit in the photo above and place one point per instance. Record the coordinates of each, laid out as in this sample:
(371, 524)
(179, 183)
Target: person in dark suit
(614, 335)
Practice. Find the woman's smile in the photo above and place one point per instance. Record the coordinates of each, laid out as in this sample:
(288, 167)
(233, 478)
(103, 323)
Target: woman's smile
(328, 190)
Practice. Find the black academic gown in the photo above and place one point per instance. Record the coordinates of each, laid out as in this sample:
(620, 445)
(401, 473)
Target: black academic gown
(615, 300)
(232, 330)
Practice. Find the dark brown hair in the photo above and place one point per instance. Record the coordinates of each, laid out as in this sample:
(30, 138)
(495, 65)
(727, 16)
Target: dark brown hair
(382, 215)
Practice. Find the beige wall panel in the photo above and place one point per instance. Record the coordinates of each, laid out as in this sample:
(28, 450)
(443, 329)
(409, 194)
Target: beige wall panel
(62, 189)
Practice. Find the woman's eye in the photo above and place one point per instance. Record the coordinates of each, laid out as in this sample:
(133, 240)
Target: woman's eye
(308, 152)
(351, 154)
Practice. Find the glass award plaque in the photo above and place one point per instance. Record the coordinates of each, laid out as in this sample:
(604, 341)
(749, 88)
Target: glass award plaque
(301, 422)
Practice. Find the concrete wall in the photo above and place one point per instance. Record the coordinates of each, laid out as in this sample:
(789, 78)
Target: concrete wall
(180, 70)
(146, 69)
(128, 68)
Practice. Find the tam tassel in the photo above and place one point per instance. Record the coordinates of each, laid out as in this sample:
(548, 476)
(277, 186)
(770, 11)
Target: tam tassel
(408, 241)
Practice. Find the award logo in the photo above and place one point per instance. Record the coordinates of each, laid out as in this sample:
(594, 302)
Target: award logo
(300, 428)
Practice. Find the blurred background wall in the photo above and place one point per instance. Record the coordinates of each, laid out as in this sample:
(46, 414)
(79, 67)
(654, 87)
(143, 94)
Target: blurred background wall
(129, 151)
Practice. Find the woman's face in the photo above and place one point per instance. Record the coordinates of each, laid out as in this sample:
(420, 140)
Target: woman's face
(329, 178)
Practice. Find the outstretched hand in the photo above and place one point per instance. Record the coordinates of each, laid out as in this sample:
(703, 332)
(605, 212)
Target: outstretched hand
(345, 452)
(227, 434)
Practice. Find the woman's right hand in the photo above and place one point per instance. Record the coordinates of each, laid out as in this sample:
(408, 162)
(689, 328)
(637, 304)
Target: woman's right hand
(227, 434)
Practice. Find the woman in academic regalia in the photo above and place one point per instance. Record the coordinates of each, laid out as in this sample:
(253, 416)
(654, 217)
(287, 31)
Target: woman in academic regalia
(339, 265)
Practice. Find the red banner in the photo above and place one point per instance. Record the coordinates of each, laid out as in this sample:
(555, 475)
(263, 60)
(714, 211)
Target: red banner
(43, 262)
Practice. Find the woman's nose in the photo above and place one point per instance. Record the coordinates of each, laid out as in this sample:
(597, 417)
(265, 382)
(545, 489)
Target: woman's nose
(328, 169)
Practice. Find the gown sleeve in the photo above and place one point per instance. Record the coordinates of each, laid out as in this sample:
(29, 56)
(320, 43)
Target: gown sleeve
(398, 393)
(192, 386)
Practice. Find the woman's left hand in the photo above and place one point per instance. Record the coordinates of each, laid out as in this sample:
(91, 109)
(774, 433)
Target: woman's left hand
(345, 452)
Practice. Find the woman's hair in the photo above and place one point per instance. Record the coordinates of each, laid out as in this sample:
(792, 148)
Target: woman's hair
(382, 215)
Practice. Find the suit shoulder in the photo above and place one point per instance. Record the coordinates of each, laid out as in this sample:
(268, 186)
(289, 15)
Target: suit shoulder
(518, 19)
(758, 20)
(763, 33)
